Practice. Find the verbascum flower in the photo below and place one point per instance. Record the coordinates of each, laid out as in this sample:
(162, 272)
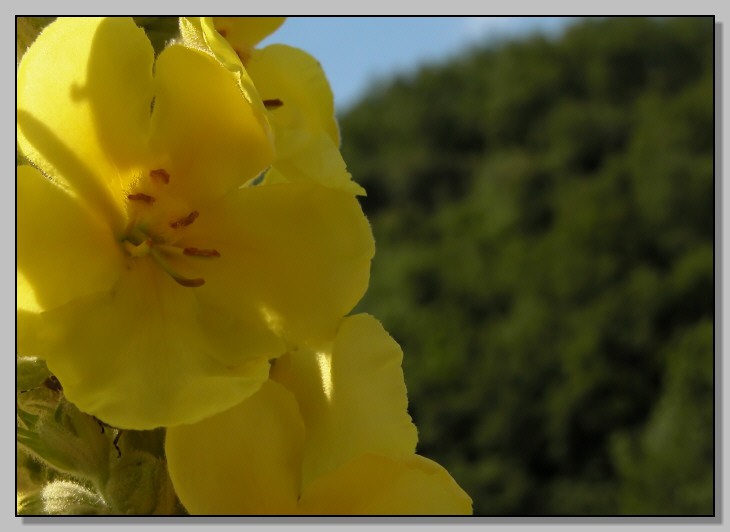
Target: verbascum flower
(329, 434)
(156, 285)
(294, 89)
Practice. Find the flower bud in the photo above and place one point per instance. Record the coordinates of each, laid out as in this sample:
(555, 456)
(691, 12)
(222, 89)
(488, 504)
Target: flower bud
(64, 497)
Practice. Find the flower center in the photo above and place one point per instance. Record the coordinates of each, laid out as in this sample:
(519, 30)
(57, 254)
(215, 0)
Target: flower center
(157, 223)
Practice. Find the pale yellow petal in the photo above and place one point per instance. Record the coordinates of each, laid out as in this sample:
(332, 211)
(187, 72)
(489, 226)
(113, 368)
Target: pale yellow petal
(205, 134)
(84, 93)
(314, 158)
(28, 321)
(149, 354)
(244, 461)
(373, 484)
(244, 33)
(200, 33)
(305, 128)
(64, 250)
(298, 254)
(352, 396)
(297, 79)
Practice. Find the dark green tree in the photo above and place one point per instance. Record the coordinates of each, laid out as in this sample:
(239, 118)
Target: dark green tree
(544, 215)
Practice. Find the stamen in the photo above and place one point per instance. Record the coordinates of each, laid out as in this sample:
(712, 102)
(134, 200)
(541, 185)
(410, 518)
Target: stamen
(195, 252)
(187, 220)
(139, 250)
(272, 104)
(141, 197)
(189, 283)
(160, 175)
(179, 279)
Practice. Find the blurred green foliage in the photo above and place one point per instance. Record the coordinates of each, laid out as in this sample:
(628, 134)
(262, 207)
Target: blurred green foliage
(544, 215)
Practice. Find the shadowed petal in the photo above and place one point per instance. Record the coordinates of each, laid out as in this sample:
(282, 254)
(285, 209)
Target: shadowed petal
(84, 92)
(298, 253)
(314, 158)
(244, 461)
(297, 79)
(64, 250)
(208, 137)
(244, 33)
(306, 132)
(200, 33)
(380, 485)
(352, 396)
(143, 356)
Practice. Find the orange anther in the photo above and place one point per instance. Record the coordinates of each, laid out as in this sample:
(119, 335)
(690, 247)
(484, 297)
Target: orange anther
(141, 197)
(195, 252)
(161, 175)
(187, 220)
(274, 103)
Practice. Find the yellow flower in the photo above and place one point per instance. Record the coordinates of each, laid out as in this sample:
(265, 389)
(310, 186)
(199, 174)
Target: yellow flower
(153, 283)
(292, 85)
(244, 33)
(329, 434)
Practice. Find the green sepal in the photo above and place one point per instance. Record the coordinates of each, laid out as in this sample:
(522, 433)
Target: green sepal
(31, 372)
(26, 31)
(160, 30)
(139, 484)
(67, 440)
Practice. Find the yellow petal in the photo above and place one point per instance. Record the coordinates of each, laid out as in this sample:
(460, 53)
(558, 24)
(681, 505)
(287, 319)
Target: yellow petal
(27, 318)
(145, 354)
(244, 33)
(311, 157)
(352, 396)
(297, 79)
(379, 485)
(200, 33)
(84, 93)
(244, 461)
(208, 136)
(305, 128)
(299, 254)
(64, 250)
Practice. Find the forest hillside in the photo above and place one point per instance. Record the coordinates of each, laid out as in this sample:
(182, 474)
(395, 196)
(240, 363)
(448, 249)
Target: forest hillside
(544, 215)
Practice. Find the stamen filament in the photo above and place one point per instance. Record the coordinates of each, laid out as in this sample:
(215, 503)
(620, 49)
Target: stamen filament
(139, 250)
(189, 283)
(179, 279)
(170, 250)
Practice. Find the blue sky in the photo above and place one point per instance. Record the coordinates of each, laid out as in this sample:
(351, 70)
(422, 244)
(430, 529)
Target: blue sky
(357, 50)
